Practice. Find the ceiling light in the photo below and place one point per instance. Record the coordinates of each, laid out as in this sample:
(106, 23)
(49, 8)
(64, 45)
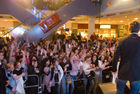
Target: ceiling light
(59, 32)
(100, 22)
(136, 18)
(5, 20)
(121, 21)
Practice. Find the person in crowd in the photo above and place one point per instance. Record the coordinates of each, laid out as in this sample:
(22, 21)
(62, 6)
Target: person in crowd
(106, 72)
(59, 73)
(33, 80)
(4, 82)
(66, 80)
(65, 64)
(9, 68)
(48, 76)
(94, 60)
(74, 72)
(88, 69)
(128, 51)
(93, 37)
(99, 70)
(28, 58)
(12, 56)
(59, 60)
(18, 75)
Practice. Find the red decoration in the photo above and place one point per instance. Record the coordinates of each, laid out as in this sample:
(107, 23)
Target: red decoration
(50, 22)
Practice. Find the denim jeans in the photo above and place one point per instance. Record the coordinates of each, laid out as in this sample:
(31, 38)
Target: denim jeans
(63, 85)
(90, 86)
(58, 89)
(55, 89)
(134, 86)
(120, 86)
(85, 83)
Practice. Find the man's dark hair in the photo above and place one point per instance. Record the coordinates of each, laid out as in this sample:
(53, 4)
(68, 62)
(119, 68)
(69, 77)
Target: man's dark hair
(135, 27)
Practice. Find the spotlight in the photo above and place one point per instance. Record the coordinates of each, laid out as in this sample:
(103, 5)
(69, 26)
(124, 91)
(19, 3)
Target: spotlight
(95, 1)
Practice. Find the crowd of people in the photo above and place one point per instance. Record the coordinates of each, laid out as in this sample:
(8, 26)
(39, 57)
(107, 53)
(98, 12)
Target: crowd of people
(58, 63)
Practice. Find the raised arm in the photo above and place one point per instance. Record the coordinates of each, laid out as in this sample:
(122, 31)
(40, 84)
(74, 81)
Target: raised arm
(115, 59)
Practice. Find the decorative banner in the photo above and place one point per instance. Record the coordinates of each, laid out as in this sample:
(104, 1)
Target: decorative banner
(112, 5)
(108, 4)
(50, 22)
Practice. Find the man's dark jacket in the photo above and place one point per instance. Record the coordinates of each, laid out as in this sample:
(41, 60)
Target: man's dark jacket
(3, 80)
(129, 52)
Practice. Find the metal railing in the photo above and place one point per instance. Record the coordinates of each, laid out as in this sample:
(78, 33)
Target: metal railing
(38, 85)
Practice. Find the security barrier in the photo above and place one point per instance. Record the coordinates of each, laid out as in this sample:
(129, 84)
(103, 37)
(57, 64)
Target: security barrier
(39, 82)
(29, 85)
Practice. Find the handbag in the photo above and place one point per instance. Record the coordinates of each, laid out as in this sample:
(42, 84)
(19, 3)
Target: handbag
(91, 75)
(68, 80)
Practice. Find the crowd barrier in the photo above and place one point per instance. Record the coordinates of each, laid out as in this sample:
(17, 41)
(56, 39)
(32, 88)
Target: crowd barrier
(40, 85)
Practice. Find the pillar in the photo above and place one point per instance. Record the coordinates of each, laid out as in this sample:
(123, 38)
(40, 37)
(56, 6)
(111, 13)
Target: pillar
(91, 26)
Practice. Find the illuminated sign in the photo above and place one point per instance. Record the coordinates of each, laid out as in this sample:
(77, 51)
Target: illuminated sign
(50, 22)
(105, 26)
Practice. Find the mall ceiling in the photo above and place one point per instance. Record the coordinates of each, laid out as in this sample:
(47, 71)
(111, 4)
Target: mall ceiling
(112, 19)
(7, 18)
(119, 19)
(115, 19)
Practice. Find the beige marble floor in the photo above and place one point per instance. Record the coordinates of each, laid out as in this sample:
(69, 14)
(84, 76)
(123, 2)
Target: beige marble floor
(109, 88)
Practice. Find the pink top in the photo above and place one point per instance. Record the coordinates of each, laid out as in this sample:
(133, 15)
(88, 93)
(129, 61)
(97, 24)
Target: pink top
(28, 61)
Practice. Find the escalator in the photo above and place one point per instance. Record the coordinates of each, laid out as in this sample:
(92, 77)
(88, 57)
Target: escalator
(61, 16)
(11, 7)
(19, 29)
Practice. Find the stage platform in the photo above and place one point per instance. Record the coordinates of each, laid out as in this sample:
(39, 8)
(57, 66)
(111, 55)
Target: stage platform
(110, 88)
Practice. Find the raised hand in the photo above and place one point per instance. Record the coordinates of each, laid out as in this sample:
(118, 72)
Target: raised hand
(13, 90)
(23, 52)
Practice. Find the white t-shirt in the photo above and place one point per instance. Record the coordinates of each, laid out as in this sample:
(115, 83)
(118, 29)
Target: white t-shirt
(86, 66)
(101, 64)
(19, 85)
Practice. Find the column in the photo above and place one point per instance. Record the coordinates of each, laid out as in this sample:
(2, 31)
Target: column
(91, 26)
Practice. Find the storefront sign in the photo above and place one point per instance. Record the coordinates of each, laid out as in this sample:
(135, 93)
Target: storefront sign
(50, 22)
(105, 26)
